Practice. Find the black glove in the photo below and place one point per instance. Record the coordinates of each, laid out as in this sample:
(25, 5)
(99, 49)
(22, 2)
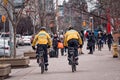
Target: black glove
(33, 47)
(48, 46)
(65, 48)
(80, 46)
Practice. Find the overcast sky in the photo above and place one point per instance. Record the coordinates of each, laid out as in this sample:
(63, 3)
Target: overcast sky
(61, 1)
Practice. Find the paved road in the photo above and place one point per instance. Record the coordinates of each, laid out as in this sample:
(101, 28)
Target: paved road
(99, 66)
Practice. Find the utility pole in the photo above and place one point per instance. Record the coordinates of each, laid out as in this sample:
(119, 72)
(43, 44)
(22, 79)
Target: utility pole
(11, 30)
(57, 16)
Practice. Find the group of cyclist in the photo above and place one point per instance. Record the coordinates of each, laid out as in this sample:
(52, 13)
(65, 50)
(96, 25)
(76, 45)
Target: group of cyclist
(71, 39)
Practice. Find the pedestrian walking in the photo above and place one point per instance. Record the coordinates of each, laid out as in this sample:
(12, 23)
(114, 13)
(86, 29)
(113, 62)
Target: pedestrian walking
(91, 42)
(99, 41)
(81, 46)
(62, 41)
(55, 44)
(109, 41)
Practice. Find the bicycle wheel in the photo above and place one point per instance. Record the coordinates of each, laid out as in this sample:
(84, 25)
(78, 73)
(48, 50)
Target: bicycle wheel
(42, 68)
(41, 64)
(73, 64)
(75, 67)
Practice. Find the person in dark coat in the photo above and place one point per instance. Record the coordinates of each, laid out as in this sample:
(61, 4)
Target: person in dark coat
(81, 46)
(55, 44)
(105, 37)
(99, 41)
(91, 42)
(109, 41)
(62, 41)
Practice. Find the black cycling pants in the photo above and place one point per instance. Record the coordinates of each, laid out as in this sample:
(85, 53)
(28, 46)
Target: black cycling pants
(44, 46)
(73, 43)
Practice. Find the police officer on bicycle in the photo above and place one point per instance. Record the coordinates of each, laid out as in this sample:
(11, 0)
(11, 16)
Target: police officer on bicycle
(72, 39)
(42, 39)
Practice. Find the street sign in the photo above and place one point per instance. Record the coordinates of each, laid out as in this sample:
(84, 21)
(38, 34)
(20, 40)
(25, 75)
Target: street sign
(3, 18)
(84, 23)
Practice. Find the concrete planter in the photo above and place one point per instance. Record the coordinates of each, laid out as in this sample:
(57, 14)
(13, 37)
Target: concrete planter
(119, 51)
(16, 62)
(5, 70)
(31, 54)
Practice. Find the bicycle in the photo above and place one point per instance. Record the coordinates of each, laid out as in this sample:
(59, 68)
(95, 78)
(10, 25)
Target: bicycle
(73, 61)
(40, 57)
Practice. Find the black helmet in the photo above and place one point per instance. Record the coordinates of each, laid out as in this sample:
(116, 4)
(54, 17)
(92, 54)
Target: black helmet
(43, 28)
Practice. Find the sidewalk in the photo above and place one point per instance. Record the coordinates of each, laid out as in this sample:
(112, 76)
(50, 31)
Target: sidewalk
(99, 66)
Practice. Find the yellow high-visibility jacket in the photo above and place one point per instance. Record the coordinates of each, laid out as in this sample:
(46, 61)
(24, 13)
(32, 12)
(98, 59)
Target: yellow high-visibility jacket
(72, 34)
(42, 38)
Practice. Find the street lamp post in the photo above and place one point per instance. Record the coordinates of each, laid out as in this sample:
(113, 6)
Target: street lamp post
(57, 15)
(11, 30)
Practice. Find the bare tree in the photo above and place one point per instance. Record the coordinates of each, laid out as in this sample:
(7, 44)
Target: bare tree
(15, 21)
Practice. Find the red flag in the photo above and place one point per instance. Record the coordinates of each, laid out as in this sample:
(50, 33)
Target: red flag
(108, 27)
(108, 23)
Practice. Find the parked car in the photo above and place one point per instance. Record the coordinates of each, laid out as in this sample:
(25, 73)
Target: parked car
(6, 36)
(20, 39)
(27, 39)
(4, 48)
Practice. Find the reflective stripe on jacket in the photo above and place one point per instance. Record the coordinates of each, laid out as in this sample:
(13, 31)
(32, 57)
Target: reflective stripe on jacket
(42, 38)
(72, 34)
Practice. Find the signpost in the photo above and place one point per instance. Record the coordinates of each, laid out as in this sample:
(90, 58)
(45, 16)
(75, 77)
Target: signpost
(4, 20)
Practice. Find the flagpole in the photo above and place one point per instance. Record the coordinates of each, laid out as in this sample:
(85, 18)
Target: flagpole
(108, 21)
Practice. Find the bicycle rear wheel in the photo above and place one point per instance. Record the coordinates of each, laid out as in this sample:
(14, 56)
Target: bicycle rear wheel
(73, 67)
(73, 64)
(42, 65)
(42, 68)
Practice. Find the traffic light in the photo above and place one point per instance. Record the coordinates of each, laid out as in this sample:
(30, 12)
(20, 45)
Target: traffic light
(5, 2)
(3, 18)
(84, 23)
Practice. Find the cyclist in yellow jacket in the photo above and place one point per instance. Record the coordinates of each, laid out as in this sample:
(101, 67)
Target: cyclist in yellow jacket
(42, 40)
(72, 39)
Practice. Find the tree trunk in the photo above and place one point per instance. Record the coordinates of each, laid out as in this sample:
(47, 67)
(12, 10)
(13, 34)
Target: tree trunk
(14, 41)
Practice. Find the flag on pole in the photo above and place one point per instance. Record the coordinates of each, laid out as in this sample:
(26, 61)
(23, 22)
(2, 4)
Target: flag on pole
(108, 22)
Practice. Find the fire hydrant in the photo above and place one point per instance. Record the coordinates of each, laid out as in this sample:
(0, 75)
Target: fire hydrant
(115, 50)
